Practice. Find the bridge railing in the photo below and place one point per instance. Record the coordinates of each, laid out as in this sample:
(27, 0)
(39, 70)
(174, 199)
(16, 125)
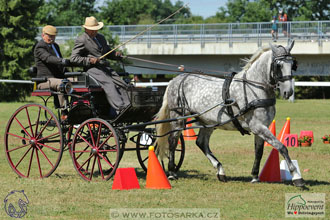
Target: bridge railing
(318, 31)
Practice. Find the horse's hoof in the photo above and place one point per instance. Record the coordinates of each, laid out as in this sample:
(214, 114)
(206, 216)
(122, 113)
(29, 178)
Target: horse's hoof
(171, 177)
(222, 178)
(255, 180)
(299, 182)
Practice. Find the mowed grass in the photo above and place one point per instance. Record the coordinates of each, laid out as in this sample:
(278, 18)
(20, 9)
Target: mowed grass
(64, 195)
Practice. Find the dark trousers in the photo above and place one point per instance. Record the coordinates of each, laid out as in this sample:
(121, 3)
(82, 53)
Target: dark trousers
(114, 87)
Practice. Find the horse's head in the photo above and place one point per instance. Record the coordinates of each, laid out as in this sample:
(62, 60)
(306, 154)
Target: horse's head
(282, 65)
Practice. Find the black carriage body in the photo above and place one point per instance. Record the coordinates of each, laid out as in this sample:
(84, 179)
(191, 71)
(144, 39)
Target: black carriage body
(145, 103)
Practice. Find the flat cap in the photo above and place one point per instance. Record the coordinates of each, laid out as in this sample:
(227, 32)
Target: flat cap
(49, 29)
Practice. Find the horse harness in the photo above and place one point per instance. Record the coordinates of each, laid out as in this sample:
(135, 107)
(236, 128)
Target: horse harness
(257, 103)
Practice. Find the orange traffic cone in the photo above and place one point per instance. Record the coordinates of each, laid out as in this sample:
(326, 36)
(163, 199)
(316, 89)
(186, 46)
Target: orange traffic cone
(285, 130)
(156, 177)
(189, 134)
(272, 129)
(125, 178)
(271, 171)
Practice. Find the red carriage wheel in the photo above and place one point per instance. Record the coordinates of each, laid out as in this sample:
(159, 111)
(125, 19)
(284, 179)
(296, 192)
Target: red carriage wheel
(95, 150)
(33, 141)
(142, 145)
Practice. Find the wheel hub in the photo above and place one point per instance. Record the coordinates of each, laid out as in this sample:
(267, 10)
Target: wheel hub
(95, 151)
(33, 142)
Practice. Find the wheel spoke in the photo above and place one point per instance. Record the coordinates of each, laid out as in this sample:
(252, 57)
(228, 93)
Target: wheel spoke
(28, 116)
(37, 123)
(91, 175)
(87, 142)
(114, 150)
(25, 131)
(45, 156)
(108, 162)
(42, 130)
(79, 168)
(57, 150)
(100, 167)
(38, 163)
(91, 133)
(98, 136)
(20, 137)
(51, 135)
(16, 148)
(145, 159)
(106, 140)
(27, 151)
(82, 152)
(30, 162)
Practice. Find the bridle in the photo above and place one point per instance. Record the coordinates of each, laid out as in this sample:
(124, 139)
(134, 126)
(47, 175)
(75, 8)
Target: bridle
(277, 62)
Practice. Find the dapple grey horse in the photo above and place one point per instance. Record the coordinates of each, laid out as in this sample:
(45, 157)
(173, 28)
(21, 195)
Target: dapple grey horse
(252, 92)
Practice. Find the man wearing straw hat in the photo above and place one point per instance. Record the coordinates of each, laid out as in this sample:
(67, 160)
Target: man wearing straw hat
(86, 52)
(49, 62)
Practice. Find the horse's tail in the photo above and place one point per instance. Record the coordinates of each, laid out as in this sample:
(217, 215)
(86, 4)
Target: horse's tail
(163, 128)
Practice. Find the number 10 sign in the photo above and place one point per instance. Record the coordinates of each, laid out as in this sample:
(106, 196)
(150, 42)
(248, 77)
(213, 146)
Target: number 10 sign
(291, 140)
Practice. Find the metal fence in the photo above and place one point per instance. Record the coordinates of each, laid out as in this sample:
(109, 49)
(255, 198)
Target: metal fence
(318, 31)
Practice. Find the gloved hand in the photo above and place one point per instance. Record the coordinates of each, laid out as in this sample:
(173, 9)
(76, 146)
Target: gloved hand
(104, 62)
(119, 55)
(65, 62)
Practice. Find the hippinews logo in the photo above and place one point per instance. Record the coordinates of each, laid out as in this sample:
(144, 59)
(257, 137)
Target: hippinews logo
(305, 205)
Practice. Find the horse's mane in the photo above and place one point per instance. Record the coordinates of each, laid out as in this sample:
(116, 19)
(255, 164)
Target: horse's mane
(255, 56)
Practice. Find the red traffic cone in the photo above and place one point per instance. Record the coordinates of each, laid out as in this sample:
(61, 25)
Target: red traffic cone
(285, 130)
(271, 170)
(156, 177)
(125, 178)
(189, 134)
(272, 129)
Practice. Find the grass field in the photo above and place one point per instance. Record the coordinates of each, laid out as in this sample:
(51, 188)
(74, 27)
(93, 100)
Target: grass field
(64, 195)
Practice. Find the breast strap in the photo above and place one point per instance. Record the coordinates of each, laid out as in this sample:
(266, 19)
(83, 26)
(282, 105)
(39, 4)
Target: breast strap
(257, 103)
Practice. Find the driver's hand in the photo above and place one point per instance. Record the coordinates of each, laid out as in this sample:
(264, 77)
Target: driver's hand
(93, 60)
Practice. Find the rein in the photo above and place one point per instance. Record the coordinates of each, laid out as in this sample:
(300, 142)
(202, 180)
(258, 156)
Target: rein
(223, 76)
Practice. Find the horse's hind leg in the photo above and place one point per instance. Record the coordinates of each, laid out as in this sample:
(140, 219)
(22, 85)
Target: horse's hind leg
(258, 150)
(203, 143)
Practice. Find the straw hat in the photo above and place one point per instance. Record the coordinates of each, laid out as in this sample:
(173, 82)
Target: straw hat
(92, 24)
(49, 29)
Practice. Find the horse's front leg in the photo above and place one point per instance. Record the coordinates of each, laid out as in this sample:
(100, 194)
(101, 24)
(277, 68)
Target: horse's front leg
(265, 133)
(258, 152)
(203, 143)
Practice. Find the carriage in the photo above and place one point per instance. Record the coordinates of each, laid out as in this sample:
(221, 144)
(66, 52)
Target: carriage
(244, 101)
(36, 137)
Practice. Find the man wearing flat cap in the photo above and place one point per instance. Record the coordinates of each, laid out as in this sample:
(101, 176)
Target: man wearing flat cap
(49, 61)
(86, 52)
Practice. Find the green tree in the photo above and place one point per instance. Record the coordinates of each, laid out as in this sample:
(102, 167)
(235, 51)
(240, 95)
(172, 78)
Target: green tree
(132, 12)
(17, 38)
(263, 10)
(65, 13)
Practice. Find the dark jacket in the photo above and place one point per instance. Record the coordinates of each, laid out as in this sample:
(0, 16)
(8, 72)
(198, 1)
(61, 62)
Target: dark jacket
(86, 47)
(47, 63)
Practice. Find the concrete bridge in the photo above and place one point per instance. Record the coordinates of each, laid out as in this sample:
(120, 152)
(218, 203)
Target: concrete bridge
(219, 47)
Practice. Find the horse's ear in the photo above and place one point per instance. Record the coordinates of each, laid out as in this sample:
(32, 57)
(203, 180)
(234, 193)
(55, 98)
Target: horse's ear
(290, 46)
(274, 49)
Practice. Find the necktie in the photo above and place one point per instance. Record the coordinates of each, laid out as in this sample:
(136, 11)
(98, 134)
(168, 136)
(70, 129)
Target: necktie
(98, 43)
(57, 54)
